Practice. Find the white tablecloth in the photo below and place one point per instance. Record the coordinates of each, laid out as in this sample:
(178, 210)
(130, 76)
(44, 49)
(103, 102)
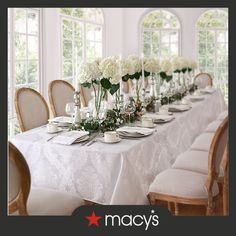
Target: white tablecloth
(115, 173)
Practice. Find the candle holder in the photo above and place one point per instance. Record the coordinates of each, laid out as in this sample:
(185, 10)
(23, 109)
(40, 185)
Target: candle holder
(77, 118)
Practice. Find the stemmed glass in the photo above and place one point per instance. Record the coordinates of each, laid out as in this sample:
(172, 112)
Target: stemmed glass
(130, 107)
(102, 115)
(70, 109)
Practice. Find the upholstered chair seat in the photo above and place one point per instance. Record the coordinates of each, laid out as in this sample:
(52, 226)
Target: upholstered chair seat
(213, 126)
(23, 200)
(194, 177)
(192, 160)
(222, 115)
(202, 142)
(43, 201)
(182, 183)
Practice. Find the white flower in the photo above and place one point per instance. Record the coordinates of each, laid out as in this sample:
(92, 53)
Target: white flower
(183, 62)
(176, 64)
(115, 79)
(166, 66)
(136, 62)
(192, 64)
(126, 67)
(88, 72)
(152, 65)
(169, 72)
(109, 67)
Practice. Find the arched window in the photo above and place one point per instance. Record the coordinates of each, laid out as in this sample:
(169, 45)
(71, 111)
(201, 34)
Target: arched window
(160, 34)
(81, 38)
(212, 41)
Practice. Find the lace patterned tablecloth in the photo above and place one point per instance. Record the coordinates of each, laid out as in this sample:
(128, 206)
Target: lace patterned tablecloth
(115, 173)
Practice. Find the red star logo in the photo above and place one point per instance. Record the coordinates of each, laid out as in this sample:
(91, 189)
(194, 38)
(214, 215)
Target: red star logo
(93, 219)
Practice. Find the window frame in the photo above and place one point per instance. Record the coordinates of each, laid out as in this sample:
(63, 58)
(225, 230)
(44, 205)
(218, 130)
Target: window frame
(160, 30)
(198, 29)
(83, 22)
(12, 59)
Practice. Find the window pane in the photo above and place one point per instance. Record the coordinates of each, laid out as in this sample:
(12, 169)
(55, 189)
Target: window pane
(67, 49)
(67, 69)
(20, 73)
(33, 71)
(66, 11)
(78, 12)
(90, 34)
(90, 50)
(20, 46)
(32, 22)
(98, 33)
(67, 29)
(165, 37)
(20, 20)
(98, 50)
(221, 36)
(173, 36)
(33, 48)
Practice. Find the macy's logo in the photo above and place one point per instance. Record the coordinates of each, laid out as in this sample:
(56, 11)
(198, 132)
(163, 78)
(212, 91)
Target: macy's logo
(125, 220)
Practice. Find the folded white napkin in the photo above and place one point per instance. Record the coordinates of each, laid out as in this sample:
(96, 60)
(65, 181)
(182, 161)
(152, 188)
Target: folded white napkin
(208, 90)
(61, 119)
(181, 107)
(70, 137)
(158, 116)
(132, 129)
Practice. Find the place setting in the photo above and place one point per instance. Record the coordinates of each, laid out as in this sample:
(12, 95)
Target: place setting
(196, 96)
(207, 90)
(134, 132)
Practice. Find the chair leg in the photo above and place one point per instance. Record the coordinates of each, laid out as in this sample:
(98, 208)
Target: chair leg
(169, 207)
(176, 209)
(151, 199)
(225, 197)
(210, 209)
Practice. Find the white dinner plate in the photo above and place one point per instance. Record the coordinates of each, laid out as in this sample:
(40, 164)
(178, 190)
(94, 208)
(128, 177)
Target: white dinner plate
(57, 131)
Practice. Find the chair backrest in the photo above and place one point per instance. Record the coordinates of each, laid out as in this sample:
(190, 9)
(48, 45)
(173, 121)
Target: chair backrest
(86, 95)
(203, 80)
(18, 181)
(60, 92)
(31, 109)
(216, 153)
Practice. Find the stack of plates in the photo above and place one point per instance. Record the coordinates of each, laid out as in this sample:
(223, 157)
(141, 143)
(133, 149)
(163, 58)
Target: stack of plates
(159, 118)
(194, 98)
(179, 108)
(133, 132)
(207, 90)
(63, 121)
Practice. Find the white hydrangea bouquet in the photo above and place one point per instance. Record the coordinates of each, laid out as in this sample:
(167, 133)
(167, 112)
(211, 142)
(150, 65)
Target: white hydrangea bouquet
(102, 75)
(166, 70)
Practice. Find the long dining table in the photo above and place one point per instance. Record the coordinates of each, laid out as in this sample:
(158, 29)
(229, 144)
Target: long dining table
(115, 173)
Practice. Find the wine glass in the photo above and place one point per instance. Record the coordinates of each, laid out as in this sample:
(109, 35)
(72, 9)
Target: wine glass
(130, 107)
(102, 116)
(70, 109)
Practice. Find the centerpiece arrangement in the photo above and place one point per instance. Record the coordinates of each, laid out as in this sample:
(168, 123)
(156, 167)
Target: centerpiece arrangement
(146, 76)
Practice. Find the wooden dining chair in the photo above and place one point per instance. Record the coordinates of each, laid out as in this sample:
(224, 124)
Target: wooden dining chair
(203, 80)
(24, 200)
(31, 109)
(60, 92)
(184, 186)
(197, 160)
